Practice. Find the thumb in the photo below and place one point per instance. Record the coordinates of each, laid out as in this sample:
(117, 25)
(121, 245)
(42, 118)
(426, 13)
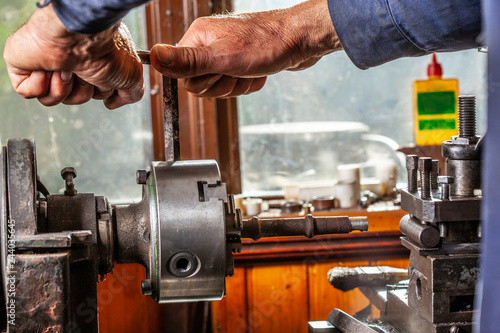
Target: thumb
(182, 62)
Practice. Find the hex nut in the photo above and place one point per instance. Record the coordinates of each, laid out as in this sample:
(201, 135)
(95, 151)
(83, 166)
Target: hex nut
(147, 288)
(141, 177)
(446, 180)
(68, 171)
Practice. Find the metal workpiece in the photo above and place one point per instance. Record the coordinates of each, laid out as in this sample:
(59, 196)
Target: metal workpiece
(425, 169)
(309, 226)
(424, 235)
(466, 116)
(349, 278)
(412, 170)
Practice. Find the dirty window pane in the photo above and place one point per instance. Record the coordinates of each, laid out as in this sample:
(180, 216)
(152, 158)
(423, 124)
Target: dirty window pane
(106, 147)
(335, 91)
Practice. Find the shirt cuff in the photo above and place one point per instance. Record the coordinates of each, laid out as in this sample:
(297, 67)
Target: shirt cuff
(92, 16)
(377, 31)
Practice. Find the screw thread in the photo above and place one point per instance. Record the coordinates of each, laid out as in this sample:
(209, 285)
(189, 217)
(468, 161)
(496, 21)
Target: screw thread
(434, 174)
(412, 181)
(425, 185)
(466, 116)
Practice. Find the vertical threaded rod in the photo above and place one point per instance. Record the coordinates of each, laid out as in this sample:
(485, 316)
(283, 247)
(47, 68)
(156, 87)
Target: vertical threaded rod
(425, 168)
(466, 116)
(434, 174)
(412, 169)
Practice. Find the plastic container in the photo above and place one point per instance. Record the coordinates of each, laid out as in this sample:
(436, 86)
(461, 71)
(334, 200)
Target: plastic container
(435, 107)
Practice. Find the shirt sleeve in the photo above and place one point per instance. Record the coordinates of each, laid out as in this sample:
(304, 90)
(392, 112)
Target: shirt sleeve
(373, 32)
(92, 16)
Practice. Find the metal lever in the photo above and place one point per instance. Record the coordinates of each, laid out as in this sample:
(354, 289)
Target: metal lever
(170, 113)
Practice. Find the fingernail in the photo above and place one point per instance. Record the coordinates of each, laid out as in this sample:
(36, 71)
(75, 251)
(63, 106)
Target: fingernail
(66, 76)
(164, 54)
(213, 80)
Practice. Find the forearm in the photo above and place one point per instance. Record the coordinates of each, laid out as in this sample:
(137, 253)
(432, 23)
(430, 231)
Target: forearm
(379, 31)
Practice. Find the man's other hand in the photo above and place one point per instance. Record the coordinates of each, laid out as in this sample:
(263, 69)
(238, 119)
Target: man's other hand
(48, 62)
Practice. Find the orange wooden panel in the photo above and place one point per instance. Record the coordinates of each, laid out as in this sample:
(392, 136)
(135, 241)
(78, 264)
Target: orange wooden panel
(324, 297)
(231, 311)
(122, 307)
(277, 299)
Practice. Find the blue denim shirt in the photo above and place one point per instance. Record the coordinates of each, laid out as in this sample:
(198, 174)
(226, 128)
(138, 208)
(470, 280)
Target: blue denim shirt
(373, 32)
(92, 16)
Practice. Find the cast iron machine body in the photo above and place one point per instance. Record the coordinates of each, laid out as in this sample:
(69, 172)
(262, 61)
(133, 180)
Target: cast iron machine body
(184, 231)
(442, 231)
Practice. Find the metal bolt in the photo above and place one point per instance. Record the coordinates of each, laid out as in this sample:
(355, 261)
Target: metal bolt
(466, 116)
(455, 329)
(141, 177)
(434, 174)
(412, 168)
(443, 230)
(68, 174)
(147, 288)
(42, 208)
(425, 168)
(444, 184)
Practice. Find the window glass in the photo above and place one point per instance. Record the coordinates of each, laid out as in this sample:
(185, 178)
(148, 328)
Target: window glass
(377, 102)
(106, 147)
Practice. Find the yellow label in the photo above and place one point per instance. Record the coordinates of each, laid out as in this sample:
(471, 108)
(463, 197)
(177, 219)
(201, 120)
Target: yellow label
(435, 114)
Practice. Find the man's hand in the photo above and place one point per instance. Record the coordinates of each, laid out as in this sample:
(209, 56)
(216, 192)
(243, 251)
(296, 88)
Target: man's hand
(48, 62)
(226, 56)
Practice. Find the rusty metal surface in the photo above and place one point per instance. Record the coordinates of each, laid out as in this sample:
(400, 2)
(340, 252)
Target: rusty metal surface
(72, 213)
(133, 233)
(21, 184)
(308, 226)
(348, 278)
(442, 283)
(423, 234)
(171, 120)
(105, 235)
(42, 293)
(405, 319)
(436, 210)
(64, 239)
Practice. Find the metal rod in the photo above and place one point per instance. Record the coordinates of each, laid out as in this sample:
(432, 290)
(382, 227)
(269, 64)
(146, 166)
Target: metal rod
(170, 113)
(308, 226)
(171, 120)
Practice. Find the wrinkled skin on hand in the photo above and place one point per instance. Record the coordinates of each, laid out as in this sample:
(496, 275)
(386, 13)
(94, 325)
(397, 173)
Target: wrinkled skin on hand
(231, 55)
(48, 62)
